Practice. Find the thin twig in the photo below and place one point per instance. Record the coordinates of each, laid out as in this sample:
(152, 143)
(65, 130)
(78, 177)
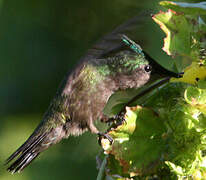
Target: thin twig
(101, 173)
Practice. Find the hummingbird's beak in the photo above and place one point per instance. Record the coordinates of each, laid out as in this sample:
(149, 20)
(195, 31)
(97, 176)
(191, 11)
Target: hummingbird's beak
(149, 89)
(157, 69)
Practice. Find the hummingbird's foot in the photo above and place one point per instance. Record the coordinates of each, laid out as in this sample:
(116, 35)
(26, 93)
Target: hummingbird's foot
(117, 120)
(104, 135)
(121, 118)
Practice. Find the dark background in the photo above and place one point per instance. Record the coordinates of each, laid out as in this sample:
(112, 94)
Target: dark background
(40, 40)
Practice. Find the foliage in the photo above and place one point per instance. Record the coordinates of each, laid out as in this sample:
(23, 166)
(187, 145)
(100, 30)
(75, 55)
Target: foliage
(164, 135)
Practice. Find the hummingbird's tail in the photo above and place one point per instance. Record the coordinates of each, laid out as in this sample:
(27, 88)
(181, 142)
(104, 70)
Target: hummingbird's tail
(39, 141)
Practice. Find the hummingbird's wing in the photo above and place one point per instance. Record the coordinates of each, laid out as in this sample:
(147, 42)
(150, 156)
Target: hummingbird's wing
(112, 41)
(109, 45)
(46, 135)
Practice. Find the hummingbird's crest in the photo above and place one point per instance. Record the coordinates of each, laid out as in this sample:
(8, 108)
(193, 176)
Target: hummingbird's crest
(134, 46)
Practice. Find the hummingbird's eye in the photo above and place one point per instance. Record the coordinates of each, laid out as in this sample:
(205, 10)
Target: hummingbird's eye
(148, 68)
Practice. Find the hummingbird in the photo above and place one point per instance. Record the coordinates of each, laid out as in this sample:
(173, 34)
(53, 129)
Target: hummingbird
(114, 63)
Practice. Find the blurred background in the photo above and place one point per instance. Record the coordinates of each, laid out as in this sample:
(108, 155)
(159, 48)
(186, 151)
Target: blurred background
(40, 40)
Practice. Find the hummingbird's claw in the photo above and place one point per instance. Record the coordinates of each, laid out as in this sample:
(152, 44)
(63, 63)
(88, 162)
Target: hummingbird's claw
(117, 120)
(121, 119)
(104, 135)
(117, 117)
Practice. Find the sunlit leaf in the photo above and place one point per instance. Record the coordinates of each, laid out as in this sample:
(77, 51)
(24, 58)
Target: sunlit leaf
(192, 74)
(196, 97)
(138, 143)
(180, 37)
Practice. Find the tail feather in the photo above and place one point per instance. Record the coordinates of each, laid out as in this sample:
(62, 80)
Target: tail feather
(27, 152)
(22, 162)
(28, 161)
(30, 140)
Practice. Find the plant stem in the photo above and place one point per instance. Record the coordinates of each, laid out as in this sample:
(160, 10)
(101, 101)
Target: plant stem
(101, 173)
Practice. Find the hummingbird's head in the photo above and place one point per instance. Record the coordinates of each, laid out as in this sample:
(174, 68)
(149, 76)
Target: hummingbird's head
(153, 66)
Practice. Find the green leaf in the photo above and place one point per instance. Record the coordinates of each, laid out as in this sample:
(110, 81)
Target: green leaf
(176, 169)
(181, 39)
(201, 84)
(117, 101)
(138, 143)
(196, 97)
(173, 131)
